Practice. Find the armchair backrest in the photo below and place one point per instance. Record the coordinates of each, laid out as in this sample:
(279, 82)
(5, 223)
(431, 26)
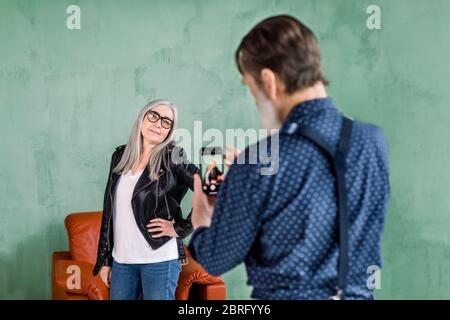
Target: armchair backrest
(83, 230)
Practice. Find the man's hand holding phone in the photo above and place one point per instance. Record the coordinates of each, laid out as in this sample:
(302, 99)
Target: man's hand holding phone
(214, 165)
(202, 205)
(203, 202)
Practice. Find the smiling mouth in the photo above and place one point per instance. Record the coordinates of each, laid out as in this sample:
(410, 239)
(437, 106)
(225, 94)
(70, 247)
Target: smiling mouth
(154, 132)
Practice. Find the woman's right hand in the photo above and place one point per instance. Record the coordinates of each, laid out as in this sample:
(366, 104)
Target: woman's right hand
(105, 275)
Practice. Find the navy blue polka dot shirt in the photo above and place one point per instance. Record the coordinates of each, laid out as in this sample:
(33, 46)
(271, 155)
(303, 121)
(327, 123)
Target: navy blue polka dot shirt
(284, 225)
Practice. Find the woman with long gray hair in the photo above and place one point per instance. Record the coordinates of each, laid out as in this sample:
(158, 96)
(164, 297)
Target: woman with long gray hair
(140, 250)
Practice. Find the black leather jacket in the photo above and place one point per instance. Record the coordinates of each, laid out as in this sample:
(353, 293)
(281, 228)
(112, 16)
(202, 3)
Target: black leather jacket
(160, 198)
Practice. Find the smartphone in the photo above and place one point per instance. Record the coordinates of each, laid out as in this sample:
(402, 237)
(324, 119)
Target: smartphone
(212, 169)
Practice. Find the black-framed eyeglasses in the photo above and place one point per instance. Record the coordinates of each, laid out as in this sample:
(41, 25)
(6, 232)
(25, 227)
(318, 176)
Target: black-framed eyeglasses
(154, 116)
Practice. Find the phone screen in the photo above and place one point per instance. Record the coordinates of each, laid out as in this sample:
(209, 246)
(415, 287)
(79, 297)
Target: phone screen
(212, 168)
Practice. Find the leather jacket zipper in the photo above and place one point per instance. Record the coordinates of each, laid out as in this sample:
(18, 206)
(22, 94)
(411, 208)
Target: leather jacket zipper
(110, 216)
(149, 183)
(167, 207)
(157, 191)
(157, 197)
(109, 222)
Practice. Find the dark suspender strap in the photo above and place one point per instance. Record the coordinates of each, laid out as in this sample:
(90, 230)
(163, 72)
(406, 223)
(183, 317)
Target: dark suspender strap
(339, 166)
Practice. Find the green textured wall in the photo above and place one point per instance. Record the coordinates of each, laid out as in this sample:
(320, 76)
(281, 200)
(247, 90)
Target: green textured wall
(68, 97)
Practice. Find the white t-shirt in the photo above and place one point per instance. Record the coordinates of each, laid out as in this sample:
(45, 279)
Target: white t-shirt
(130, 245)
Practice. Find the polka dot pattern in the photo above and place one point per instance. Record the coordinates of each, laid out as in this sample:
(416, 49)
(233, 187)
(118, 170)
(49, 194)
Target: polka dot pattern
(284, 226)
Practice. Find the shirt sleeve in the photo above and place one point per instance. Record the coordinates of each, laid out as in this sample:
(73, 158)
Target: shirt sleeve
(234, 225)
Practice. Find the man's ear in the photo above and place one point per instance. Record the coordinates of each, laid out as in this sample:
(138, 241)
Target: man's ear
(269, 82)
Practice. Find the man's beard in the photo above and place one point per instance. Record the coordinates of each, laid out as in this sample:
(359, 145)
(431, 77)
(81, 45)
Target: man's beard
(269, 115)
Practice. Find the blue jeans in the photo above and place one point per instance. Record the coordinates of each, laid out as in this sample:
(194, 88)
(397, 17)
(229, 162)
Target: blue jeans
(156, 281)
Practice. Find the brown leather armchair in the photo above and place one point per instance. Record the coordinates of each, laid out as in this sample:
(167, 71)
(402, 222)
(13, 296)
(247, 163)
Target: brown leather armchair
(83, 231)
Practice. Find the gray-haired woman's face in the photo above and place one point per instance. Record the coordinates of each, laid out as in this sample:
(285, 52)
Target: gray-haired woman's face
(157, 124)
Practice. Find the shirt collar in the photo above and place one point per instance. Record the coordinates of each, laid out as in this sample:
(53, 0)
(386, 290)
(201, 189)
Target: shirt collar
(303, 112)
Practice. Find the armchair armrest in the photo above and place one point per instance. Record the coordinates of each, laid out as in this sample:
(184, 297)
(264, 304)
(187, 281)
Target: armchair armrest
(216, 291)
(76, 277)
(194, 273)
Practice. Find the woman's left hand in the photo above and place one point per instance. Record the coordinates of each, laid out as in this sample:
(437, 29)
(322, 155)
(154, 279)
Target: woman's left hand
(165, 226)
